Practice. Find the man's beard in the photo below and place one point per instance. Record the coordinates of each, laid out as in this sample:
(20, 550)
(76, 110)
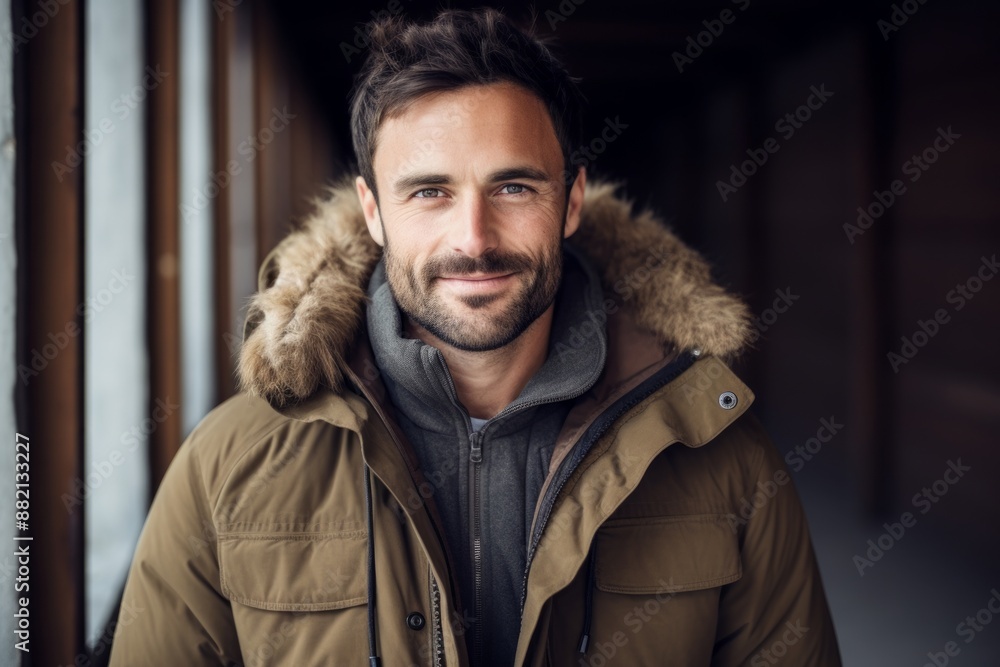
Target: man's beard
(476, 329)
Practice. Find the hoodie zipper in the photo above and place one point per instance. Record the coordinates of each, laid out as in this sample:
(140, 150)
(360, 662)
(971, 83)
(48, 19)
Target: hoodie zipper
(475, 473)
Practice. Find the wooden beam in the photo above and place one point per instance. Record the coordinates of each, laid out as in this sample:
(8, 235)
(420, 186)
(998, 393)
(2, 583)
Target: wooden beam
(163, 233)
(272, 82)
(52, 306)
(223, 44)
(235, 152)
(314, 151)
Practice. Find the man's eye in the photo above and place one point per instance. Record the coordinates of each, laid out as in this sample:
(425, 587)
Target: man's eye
(514, 189)
(427, 193)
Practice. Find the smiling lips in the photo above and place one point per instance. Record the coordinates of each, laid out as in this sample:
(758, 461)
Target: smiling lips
(478, 283)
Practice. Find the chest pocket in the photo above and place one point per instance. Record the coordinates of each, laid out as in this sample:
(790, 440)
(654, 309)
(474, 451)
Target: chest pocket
(652, 555)
(289, 571)
(657, 585)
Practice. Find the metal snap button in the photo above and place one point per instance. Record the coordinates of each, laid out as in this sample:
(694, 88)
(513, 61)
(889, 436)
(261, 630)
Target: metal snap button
(415, 621)
(727, 400)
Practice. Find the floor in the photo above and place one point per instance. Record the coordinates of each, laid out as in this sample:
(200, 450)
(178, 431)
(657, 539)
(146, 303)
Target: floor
(912, 601)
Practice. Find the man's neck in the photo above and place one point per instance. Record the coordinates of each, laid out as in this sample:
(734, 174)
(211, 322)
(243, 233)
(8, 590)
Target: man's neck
(487, 382)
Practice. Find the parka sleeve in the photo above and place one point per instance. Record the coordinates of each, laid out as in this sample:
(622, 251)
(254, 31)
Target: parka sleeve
(777, 612)
(173, 612)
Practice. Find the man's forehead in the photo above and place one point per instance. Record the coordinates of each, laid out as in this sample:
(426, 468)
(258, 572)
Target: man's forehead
(500, 125)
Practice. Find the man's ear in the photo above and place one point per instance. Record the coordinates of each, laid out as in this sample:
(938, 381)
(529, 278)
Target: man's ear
(370, 208)
(575, 203)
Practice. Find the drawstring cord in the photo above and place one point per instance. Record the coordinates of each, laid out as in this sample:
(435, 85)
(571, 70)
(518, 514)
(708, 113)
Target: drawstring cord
(588, 606)
(373, 659)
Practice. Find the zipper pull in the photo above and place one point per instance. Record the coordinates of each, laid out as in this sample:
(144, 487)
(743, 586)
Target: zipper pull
(476, 448)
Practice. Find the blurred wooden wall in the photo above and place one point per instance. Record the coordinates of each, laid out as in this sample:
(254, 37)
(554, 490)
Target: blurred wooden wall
(260, 101)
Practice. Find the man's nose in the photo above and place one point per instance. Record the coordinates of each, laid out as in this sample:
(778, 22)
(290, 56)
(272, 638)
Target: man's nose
(474, 227)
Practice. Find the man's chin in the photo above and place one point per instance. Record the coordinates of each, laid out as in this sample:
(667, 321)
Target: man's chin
(463, 305)
(490, 334)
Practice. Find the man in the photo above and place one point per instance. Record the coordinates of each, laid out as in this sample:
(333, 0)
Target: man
(487, 419)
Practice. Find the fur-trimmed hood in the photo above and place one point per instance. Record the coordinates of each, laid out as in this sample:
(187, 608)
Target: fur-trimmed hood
(302, 323)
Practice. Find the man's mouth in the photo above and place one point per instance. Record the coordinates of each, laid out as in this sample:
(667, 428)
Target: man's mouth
(476, 276)
(477, 282)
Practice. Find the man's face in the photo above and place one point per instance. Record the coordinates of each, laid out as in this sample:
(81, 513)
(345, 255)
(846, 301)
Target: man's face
(471, 212)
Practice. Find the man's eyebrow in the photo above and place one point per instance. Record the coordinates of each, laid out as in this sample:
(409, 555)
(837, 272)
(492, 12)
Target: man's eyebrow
(509, 174)
(413, 180)
(518, 173)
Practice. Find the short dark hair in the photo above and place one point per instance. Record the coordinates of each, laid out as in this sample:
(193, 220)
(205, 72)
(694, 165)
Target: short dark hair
(456, 49)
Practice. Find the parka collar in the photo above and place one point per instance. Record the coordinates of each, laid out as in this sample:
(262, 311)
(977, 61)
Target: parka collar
(305, 321)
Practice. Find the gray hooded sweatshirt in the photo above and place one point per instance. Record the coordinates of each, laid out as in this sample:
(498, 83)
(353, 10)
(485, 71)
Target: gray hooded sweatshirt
(486, 474)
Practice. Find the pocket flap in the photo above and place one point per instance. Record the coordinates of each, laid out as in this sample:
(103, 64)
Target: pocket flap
(667, 554)
(294, 571)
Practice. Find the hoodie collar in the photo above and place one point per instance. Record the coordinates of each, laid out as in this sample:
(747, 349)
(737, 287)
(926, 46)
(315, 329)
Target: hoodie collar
(575, 358)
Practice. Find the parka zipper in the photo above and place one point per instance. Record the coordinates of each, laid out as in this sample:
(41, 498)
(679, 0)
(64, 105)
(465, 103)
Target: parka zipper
(476, 459)
(435, 589)
(437, 638)
(597, 428)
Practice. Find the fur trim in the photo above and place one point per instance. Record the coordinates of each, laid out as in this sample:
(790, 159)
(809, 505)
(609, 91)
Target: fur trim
(302, 323)
(668, 283)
